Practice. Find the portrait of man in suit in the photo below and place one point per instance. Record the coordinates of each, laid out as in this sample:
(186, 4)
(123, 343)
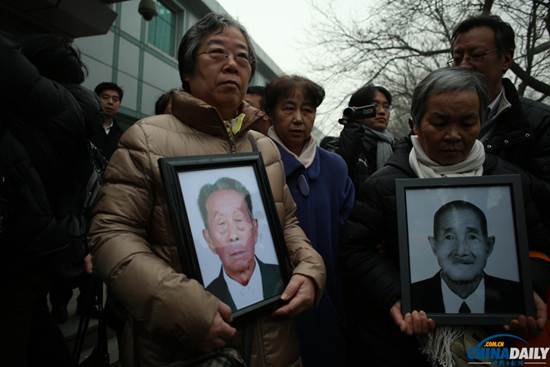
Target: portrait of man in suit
(462, 245)
(231, 232)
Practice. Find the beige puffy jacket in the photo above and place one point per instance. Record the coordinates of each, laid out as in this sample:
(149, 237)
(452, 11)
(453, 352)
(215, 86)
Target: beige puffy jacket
(135, 253)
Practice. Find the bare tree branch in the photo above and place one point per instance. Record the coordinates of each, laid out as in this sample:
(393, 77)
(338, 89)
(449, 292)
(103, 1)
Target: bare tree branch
(529, 80)
(487, 7)
(397, 42)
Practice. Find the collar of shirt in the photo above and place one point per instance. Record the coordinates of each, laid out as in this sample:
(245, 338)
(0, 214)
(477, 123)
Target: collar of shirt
(108, 128)
(491, 109)
(475, 301)
(249, 294)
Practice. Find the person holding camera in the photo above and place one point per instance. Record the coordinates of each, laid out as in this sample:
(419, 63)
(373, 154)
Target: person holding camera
(364, 143)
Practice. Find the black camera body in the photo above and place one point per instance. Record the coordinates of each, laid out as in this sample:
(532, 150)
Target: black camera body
(353, 113)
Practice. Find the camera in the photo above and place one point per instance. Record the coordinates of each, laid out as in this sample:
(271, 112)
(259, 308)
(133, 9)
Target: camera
(354, 113)
(148, 9)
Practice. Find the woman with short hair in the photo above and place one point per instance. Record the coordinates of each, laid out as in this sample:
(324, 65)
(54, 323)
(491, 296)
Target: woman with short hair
(321, 188)
(170, 316)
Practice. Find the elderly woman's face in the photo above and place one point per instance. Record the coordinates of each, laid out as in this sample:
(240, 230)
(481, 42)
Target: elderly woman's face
(450, 126)
(221, 83)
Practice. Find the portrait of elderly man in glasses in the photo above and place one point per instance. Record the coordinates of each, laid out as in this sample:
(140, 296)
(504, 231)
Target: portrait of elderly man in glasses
(462, 246)
(231, 232)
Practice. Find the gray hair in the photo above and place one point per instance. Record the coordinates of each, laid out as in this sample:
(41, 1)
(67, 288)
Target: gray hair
(211, 23)
(223, 183)
(446, 80)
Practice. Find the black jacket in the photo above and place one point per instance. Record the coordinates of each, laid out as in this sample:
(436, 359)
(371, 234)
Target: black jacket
(501, 295)
(44, 153)
(373, 279)
(271, 283)
(360, 157)
(521, 135)
(107, 143)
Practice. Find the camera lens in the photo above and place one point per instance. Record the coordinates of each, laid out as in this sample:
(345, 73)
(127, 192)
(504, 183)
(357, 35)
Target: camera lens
(349, 113)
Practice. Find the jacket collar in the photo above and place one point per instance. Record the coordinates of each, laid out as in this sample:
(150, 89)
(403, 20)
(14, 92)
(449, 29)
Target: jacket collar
(292, 165)
(510, 114)
(400, 157)
(205, 118)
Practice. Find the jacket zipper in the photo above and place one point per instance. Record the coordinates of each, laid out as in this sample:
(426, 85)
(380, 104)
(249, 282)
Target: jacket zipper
(232, 144)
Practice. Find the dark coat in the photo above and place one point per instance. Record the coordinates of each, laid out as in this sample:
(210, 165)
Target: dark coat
(501, 295)
(359, 156)
(272, 284)
(373, 279)
(107, 143)
(322, 214)
(44, 151)
(521, 135)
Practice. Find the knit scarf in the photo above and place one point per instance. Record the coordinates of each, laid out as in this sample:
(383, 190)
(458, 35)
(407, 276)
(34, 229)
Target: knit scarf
(384, 145)
(424, 167)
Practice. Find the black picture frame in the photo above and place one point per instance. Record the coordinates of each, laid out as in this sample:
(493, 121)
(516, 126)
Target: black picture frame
(183, 177)
(501, 200)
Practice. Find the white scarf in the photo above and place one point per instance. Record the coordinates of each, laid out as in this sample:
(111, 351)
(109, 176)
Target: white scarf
(307, 155)
(424, 167)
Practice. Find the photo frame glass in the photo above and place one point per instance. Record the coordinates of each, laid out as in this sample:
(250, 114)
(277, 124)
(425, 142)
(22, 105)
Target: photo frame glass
(227, 229)
(450, 267)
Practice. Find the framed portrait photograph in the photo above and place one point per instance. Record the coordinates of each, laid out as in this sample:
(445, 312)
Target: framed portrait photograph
(227, 230)
(464, 256)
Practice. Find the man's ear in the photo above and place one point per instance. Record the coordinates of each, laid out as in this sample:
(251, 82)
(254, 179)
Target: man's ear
(490, 244)
(208, 240)
(508, 59)
(414, 126)
(431, 240)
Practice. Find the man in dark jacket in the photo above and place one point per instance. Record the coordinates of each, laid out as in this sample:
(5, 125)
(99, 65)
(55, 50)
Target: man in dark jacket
(106, 140)
(231, 232)
(462, 245)
(364, 143)
(517, 128)
(46, 117)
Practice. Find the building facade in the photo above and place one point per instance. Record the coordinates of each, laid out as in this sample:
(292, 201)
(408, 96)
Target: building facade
(118, 45)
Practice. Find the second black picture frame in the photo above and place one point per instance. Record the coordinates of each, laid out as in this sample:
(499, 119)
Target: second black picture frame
(434, 215)
(224, 218)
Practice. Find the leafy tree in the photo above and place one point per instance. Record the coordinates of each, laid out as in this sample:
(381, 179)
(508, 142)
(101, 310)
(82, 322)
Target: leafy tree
(397, 42)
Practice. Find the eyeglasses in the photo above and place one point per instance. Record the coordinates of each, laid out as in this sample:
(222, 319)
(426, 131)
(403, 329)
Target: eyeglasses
(219, 54)
(385, 106)
(472, 59)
